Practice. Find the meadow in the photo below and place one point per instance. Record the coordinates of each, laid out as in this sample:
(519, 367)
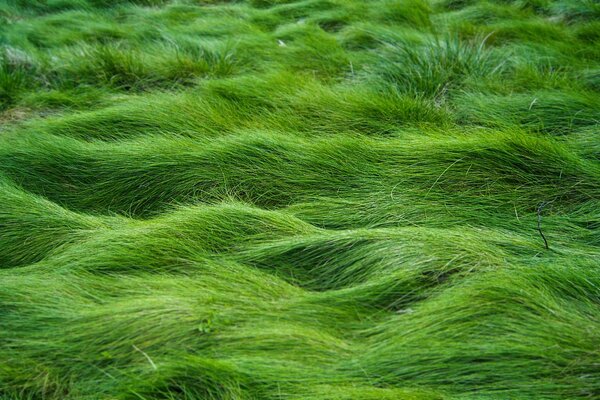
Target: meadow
(299, 200)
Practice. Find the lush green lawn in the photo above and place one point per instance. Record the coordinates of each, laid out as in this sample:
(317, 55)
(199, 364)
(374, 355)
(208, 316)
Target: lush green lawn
(316, 199)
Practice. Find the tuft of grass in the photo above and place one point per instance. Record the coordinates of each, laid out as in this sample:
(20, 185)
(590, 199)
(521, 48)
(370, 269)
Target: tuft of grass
(129, 69)
(17, 73)
(438, 66)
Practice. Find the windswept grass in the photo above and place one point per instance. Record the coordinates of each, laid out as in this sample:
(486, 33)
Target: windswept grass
(314, 199)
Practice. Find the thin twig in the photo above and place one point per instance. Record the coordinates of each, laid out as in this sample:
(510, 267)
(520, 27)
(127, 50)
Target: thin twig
(539, 223)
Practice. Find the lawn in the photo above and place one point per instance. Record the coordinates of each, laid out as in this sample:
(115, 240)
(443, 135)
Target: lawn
(299, 200)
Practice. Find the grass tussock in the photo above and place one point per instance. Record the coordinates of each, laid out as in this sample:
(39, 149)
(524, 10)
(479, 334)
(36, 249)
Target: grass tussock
(314, 199)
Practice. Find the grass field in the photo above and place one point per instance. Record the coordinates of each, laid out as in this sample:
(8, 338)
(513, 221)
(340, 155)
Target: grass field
(286, 200)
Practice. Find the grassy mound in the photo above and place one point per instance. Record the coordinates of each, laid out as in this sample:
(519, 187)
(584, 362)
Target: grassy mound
(314, 199)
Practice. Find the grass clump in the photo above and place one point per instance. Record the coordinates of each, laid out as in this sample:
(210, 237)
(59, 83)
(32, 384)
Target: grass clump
(17, 73)
(129, 69)
(299, 199)
(437, 66)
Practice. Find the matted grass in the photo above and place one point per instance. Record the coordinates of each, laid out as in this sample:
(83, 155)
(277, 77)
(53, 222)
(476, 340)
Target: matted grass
(315, 199)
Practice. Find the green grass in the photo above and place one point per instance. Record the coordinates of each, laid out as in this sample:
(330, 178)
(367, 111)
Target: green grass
(302, 200)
